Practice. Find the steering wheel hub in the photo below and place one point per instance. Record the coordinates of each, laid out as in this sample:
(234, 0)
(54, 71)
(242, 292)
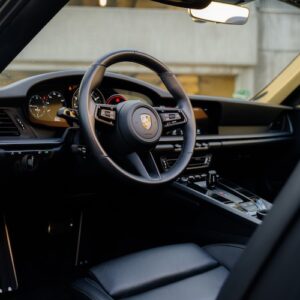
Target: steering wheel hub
(139, 123)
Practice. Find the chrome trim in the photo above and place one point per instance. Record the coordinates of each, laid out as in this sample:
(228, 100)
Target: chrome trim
(79, 239)
(10, 253)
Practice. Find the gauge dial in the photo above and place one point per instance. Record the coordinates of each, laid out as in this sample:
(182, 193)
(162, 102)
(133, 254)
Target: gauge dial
(55, 101)
(116, 99)
(56, 98)
(38, 106)
(97, 97)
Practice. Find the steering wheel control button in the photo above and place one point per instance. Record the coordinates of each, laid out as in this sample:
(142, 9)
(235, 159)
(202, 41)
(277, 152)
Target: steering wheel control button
(106, 114)
(168, 117)
(171, 116)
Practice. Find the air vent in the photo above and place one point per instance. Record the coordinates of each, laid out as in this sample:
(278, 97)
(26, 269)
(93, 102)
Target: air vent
(7, 126)
(282, 124)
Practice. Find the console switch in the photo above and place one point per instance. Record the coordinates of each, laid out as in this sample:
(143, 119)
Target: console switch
(249, 207)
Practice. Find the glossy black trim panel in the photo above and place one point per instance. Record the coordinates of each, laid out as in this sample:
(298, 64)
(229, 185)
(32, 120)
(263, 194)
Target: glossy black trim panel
(246, 137)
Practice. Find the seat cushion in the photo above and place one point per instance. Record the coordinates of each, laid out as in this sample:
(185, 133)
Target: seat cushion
(148, 269)
(183, 271)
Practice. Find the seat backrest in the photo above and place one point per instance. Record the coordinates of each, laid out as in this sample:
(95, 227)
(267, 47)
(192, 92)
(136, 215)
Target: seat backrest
(270, 265)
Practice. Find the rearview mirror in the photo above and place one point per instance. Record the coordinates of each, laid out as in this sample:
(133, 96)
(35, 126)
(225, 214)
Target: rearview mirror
(221, 13)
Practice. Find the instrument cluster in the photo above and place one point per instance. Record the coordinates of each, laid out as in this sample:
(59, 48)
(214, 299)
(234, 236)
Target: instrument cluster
(44, 102)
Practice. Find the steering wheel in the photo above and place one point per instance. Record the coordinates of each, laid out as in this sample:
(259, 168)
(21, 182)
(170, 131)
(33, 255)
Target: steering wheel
(136, 127)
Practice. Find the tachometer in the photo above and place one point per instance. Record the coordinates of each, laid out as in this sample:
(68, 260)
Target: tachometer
(55, 101)
(115, 99)
(38, 106)
(97, 96)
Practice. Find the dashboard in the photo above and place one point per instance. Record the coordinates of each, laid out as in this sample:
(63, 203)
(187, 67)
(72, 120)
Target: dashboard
(32, 105)
(32, 134)
(46, 98)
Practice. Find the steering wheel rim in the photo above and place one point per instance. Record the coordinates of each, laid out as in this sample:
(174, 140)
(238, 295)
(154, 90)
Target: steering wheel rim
(87, 109)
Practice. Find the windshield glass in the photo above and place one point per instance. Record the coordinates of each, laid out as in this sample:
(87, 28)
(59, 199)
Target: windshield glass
(209, 59)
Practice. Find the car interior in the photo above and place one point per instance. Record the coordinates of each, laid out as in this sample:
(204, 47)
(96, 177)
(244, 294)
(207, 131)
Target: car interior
(114, 188)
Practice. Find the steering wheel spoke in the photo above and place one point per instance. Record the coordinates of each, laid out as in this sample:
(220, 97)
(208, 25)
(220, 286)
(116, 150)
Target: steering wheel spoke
(144, 164)
(171, 117)
(106, 114)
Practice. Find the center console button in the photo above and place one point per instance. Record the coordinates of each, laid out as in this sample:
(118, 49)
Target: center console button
(184, 179)
(177, 147)
(192, 178)
(249, 206)
(261, 205)
(198, 177)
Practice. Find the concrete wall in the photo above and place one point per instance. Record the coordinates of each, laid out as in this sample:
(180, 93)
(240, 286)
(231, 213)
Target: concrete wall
(81, 34)
(253, 53)
(278, 39)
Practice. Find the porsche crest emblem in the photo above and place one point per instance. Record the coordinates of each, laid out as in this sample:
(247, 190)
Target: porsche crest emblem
(146, 121)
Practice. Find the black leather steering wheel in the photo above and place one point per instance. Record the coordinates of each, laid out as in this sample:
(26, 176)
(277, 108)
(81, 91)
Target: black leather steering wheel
(137, 127)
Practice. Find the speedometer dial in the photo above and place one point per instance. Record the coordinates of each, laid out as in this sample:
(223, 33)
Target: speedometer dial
(96, 95)
(37, 106)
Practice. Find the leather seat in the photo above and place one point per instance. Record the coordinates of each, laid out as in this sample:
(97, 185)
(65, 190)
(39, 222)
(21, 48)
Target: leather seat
(183, 272)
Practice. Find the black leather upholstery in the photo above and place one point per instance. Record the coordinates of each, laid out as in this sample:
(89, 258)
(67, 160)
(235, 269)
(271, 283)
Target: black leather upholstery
(172, 272)
(226, 254)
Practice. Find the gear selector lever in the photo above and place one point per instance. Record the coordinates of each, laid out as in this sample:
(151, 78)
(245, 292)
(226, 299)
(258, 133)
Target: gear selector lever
(211, 179)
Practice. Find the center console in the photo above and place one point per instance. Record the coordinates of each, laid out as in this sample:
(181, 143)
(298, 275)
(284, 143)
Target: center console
(218, 191)
(200, 181)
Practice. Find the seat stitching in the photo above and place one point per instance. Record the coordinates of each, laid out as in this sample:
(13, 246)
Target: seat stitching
(158, 284)
(170, 283)
(225, 245)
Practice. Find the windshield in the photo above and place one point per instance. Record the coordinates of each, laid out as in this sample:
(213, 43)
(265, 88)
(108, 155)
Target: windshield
(209, 59)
